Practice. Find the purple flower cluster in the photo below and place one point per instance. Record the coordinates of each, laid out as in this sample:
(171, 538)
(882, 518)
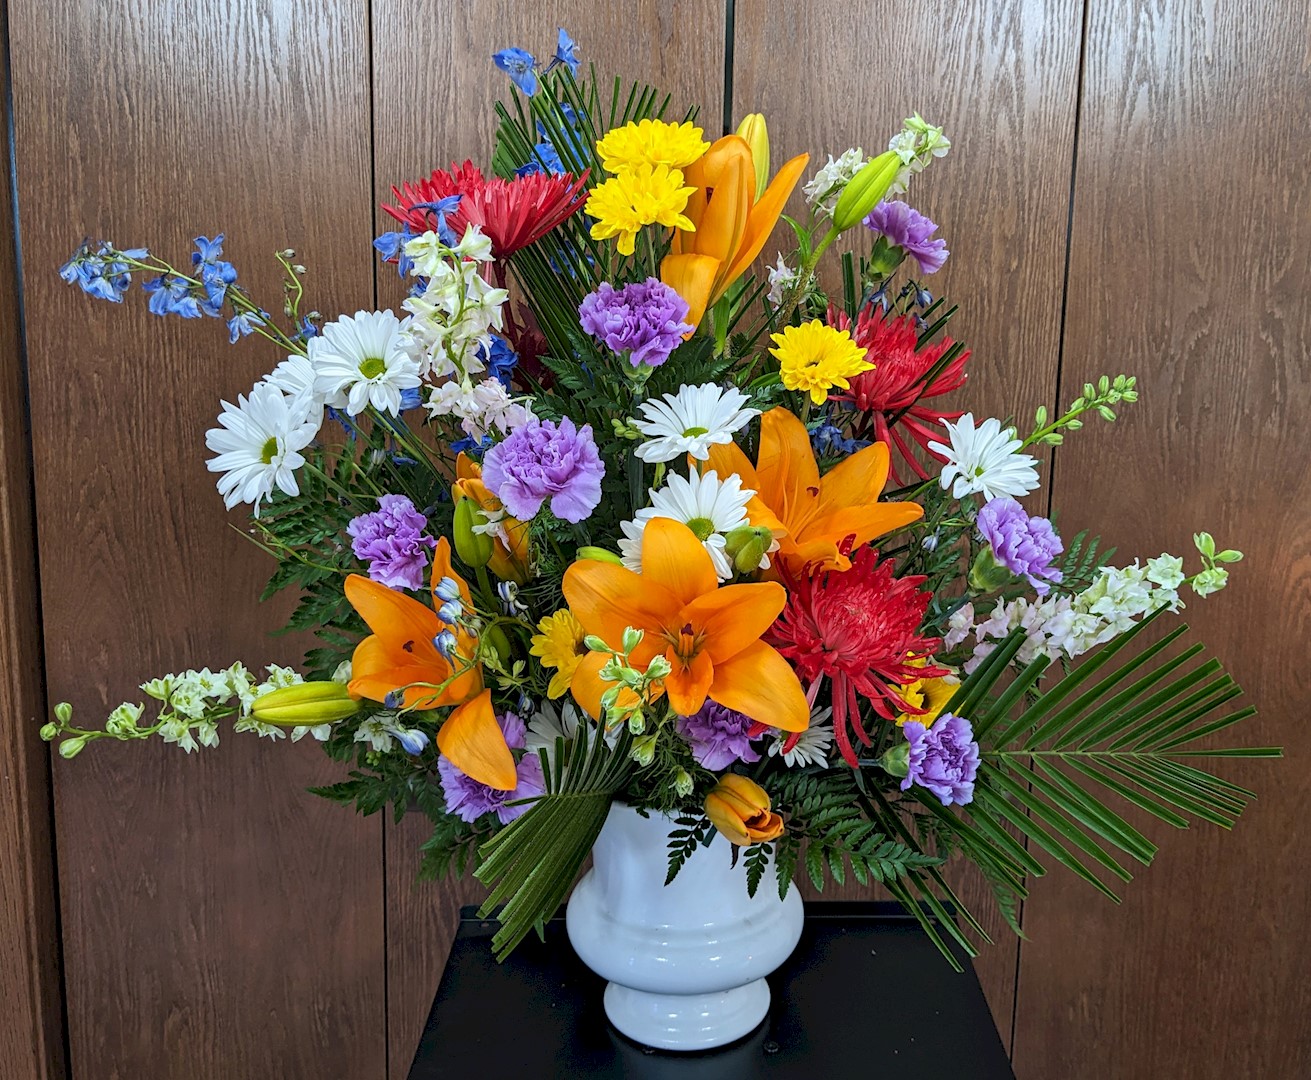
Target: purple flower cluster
(1024, 545)
(644, 319)
(469, 800)
(718, 736)
(392, 541)
(911, 231)
(541, 461)
(943, 758)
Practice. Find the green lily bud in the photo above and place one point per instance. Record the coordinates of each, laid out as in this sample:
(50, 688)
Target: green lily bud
(475, 549)
(987, 574)
(897, 759)
(305, 704)
(753, 131)
(495, 637)
(598, 554)
(747, 545)
(865, 190)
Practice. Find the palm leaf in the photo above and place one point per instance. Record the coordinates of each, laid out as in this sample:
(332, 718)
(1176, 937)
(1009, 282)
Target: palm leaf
(531, 863)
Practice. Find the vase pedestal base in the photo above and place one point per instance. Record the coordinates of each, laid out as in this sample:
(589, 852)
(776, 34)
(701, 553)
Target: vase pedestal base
(687, 1021)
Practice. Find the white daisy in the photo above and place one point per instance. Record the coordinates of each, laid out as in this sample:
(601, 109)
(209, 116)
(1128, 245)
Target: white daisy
(985, 459)
(258, 446)
(710, 507)
(812, 744)
(295, 378)
(691, 421)
(361, 360)
(554, 721)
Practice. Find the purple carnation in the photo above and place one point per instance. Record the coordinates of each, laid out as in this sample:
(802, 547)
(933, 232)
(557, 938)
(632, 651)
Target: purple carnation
(469, 800)
(391, 540)
(644, 319)
(541, 461)
(718, 736)
(1024, 545)
(911, 231)
(943, 758)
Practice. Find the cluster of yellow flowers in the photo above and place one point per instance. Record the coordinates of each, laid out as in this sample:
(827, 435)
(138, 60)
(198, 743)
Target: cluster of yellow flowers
(647, 188)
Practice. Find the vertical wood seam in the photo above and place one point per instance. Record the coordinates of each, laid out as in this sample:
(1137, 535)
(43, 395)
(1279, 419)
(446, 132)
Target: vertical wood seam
(41, 1035)
(1056, 411)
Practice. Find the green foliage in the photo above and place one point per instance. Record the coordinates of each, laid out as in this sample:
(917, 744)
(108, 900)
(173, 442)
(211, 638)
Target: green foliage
(1081, 561)
(453, 846)
(531, 863)
(693, 831)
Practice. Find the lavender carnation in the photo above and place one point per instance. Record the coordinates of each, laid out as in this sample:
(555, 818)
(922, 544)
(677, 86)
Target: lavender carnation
(1024, 545)
(718, 736)
(391, 540)
(541, 461)
(911, 231)
(469, 800)
(943, 758)
(644, 319)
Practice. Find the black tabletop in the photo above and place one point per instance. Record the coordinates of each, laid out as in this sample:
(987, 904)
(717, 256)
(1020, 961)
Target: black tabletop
(865, 994)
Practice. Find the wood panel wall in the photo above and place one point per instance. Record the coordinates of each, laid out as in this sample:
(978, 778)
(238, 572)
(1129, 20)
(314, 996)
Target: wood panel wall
(1125, 191)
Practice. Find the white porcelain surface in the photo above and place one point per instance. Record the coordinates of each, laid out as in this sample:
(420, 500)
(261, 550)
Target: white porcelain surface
(686, 962)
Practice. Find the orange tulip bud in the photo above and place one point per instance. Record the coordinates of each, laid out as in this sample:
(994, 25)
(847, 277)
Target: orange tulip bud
(739, 808)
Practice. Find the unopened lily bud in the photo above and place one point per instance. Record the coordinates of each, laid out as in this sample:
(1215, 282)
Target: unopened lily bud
(746, 546)
(756, 135)
(865, 190)
(598, 554)
(305, 704)
(739, 808)
(495, 637)
(474, 548)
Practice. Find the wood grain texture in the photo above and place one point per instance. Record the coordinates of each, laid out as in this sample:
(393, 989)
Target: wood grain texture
(1001, 77)
(218, 921)
(32, 1022)
(1191, 267)
(434, 90)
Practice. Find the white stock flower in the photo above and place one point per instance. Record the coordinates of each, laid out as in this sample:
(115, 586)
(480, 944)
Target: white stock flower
(985, 459)
(822, 189)
(691, 421)
(781, 278)
(916, 144)
(258, 444)
(361, 360)
(710, 507)
(481, 408)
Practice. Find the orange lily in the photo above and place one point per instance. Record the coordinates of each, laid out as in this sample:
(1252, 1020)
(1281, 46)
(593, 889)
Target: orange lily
(509, 562)
(818, 521)
(709, 635)
(732, 225)
(400, 654)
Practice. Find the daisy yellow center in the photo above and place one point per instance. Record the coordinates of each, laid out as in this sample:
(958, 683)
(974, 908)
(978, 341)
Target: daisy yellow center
(270, 450)
(702, 527)
(372, 367)
(814, 358)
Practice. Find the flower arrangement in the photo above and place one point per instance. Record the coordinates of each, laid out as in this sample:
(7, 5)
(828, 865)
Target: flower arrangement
(612, 511)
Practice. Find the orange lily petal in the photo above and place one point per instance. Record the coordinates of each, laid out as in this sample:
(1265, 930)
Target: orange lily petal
(864, 522)
(728, 174)
(441, 567)
(673, 557)
(761, 684)
(764, 215)
(376, 671)
(606, 598)
(587, 686)
(687, 685)
(466, 468)
(786, 471)
(733, 617)
(472, 741)
(393, 616)
(727, 459)
(856, 481)
(692, 276)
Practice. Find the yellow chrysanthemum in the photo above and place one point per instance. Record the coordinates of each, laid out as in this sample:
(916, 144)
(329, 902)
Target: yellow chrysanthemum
(651, 142)
(637, 197)
(930, 694)
(559, 645)
(815, 358)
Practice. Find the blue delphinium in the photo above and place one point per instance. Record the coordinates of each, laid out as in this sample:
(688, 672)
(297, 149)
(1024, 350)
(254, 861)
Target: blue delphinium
(243, 324)
(215, 274)
(519, 64)
(101, 273)
(172, 295)
(499, 360)
(566, 52)
(829, 441)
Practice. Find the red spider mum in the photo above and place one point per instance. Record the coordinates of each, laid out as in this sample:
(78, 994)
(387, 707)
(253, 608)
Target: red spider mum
(892, 395)
(511, 213)
(860, 627)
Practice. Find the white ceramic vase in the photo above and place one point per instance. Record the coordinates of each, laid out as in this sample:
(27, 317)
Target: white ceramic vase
(686, 962)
